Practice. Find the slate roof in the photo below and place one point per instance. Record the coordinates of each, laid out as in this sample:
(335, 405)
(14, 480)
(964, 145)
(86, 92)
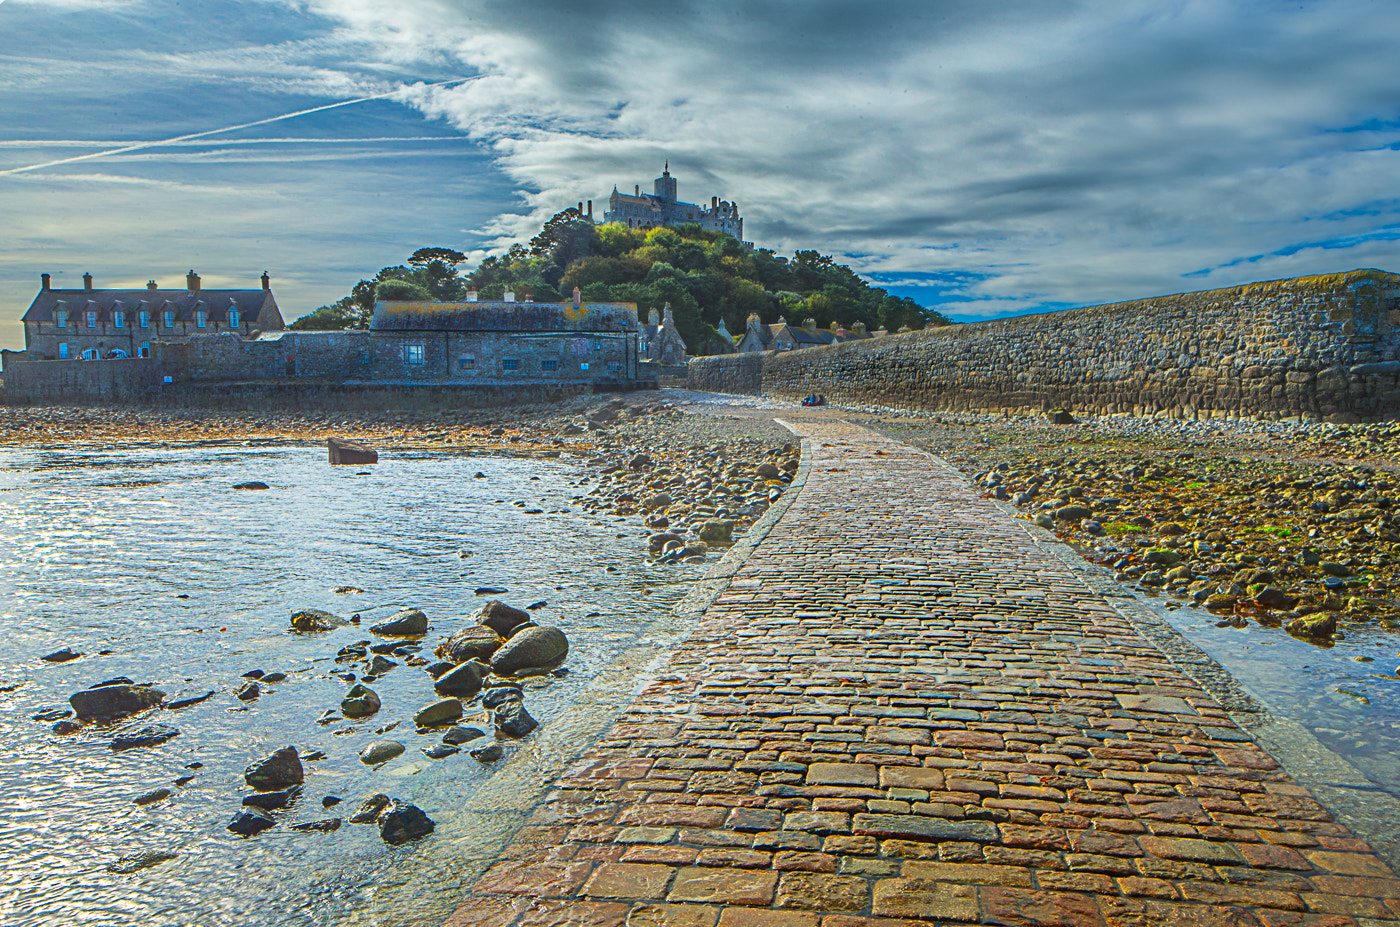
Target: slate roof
(257, 307)
(492, 316)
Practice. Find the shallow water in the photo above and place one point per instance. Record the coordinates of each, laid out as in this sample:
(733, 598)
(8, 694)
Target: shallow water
(153, 556)
(1348, 696)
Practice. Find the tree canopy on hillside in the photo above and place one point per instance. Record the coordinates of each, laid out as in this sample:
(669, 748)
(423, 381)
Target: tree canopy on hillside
(705, 276)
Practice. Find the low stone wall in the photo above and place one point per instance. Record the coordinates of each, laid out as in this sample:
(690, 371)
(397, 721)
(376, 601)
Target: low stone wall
(1306, 348)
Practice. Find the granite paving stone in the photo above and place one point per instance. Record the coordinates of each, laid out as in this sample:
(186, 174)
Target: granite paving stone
(902, 711)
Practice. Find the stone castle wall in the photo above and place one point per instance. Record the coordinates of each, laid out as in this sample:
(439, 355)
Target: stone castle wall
(1311, 348)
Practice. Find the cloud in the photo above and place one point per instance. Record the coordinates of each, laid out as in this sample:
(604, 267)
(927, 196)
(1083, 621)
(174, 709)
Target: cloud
(1064, 152)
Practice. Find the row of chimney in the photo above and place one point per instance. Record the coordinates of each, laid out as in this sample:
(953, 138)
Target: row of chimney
(191, 282)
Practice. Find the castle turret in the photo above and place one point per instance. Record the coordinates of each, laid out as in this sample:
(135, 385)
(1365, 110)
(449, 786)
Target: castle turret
(666, 185)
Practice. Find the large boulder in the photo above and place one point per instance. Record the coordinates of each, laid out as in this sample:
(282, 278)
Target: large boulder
(408, 623)
(400, 823)
(313, 619)
(471, 643)
(347, 453)
(111, 702)
(359, 702)
(531, 647)
(462, 682)
(716, 531)
(372, 808)
(279, 771)
(501, 618)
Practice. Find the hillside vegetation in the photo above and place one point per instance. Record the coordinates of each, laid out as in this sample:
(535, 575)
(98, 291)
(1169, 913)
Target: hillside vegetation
(705, 276)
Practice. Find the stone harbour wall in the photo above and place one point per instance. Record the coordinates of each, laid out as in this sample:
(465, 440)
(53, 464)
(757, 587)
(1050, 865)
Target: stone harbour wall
(1307, 348)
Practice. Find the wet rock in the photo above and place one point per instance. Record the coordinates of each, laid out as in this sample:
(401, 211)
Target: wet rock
(487, 754)
(1163, 555)
(347, 453)
(151, 797)
(325, 826)
(1043, 520)
(462, 681)
(380, 665)
(347, 590)
(135, 862)
(436, 714)
(381, 751)
(271, 678)
(462, 735)
(179, 703)
(250, 484)
(1334, 569)
(657, 542)
(52, 714)
(61, 656)
(278, 771)
(1317, 626)
(311, 620)
(441, 751)
(513, 720)
(150, 736)
(490, 590)
(371, 809)
(330, 801)
(248, 691)
(271, 800)
(436, 670)
(1061, 417)
(531, 647)
(401, 823)
(66, 727)
(1073, 512)
(501, 618)
(640, 462)
(716, 531)
(1221, 602)
(410, 622)
(499, 695)
(359, 702)
(769, 471)
(1273, 597)
(110, 702)
(248, 822)
(313, 756)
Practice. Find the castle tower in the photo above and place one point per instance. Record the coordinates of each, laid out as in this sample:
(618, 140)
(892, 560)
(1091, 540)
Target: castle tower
(665, 186)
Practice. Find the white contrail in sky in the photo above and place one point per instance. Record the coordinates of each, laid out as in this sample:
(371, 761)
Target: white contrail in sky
(140, 146)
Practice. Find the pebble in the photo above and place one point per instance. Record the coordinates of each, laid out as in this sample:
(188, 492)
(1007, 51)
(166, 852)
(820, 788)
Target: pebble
(381, 751)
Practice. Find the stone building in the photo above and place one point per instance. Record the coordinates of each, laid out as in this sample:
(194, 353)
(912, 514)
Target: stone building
(90, 324)
(662, 208)
(783, 336)
(661, 342)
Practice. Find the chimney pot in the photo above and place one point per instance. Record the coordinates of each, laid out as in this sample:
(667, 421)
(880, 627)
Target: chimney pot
(266, 281)
(87, 282)
(151, 285)
(590, 210)
(637, 190)
(44, 281)
(192, 281)
(580, 207)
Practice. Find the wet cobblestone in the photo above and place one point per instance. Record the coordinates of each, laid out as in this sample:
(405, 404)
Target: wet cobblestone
(902, 711)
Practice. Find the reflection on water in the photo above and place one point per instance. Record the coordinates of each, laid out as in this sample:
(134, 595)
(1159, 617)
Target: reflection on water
(1348, 696)
(189, 583)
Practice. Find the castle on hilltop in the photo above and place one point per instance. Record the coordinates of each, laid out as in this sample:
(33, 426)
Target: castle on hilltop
(661, 208)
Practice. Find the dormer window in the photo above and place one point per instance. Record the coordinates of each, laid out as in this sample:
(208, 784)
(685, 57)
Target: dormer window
(118, 318)
(169, 319)
(91, 319)
(60, 318)
(201, 319)
(145, 319)
(232, 316)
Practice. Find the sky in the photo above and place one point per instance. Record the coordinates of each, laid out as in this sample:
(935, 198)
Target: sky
(986, 159)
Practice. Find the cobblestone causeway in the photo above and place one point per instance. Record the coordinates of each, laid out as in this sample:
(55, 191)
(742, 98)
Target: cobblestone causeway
(902, 711)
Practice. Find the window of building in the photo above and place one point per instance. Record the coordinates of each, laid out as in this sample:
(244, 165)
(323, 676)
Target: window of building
(413, 354)
(583, 366)
(145, 319)
(201, 319)
(92, 354)
(118, 318)
(169, 319)
(60, 318)
(92, 319)
(365, 357)
(614, 366)
(145, 349)
(466, 363)
(63, 350)
(510, 363)
(233, 317)
(597, 345)
(549, 363)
